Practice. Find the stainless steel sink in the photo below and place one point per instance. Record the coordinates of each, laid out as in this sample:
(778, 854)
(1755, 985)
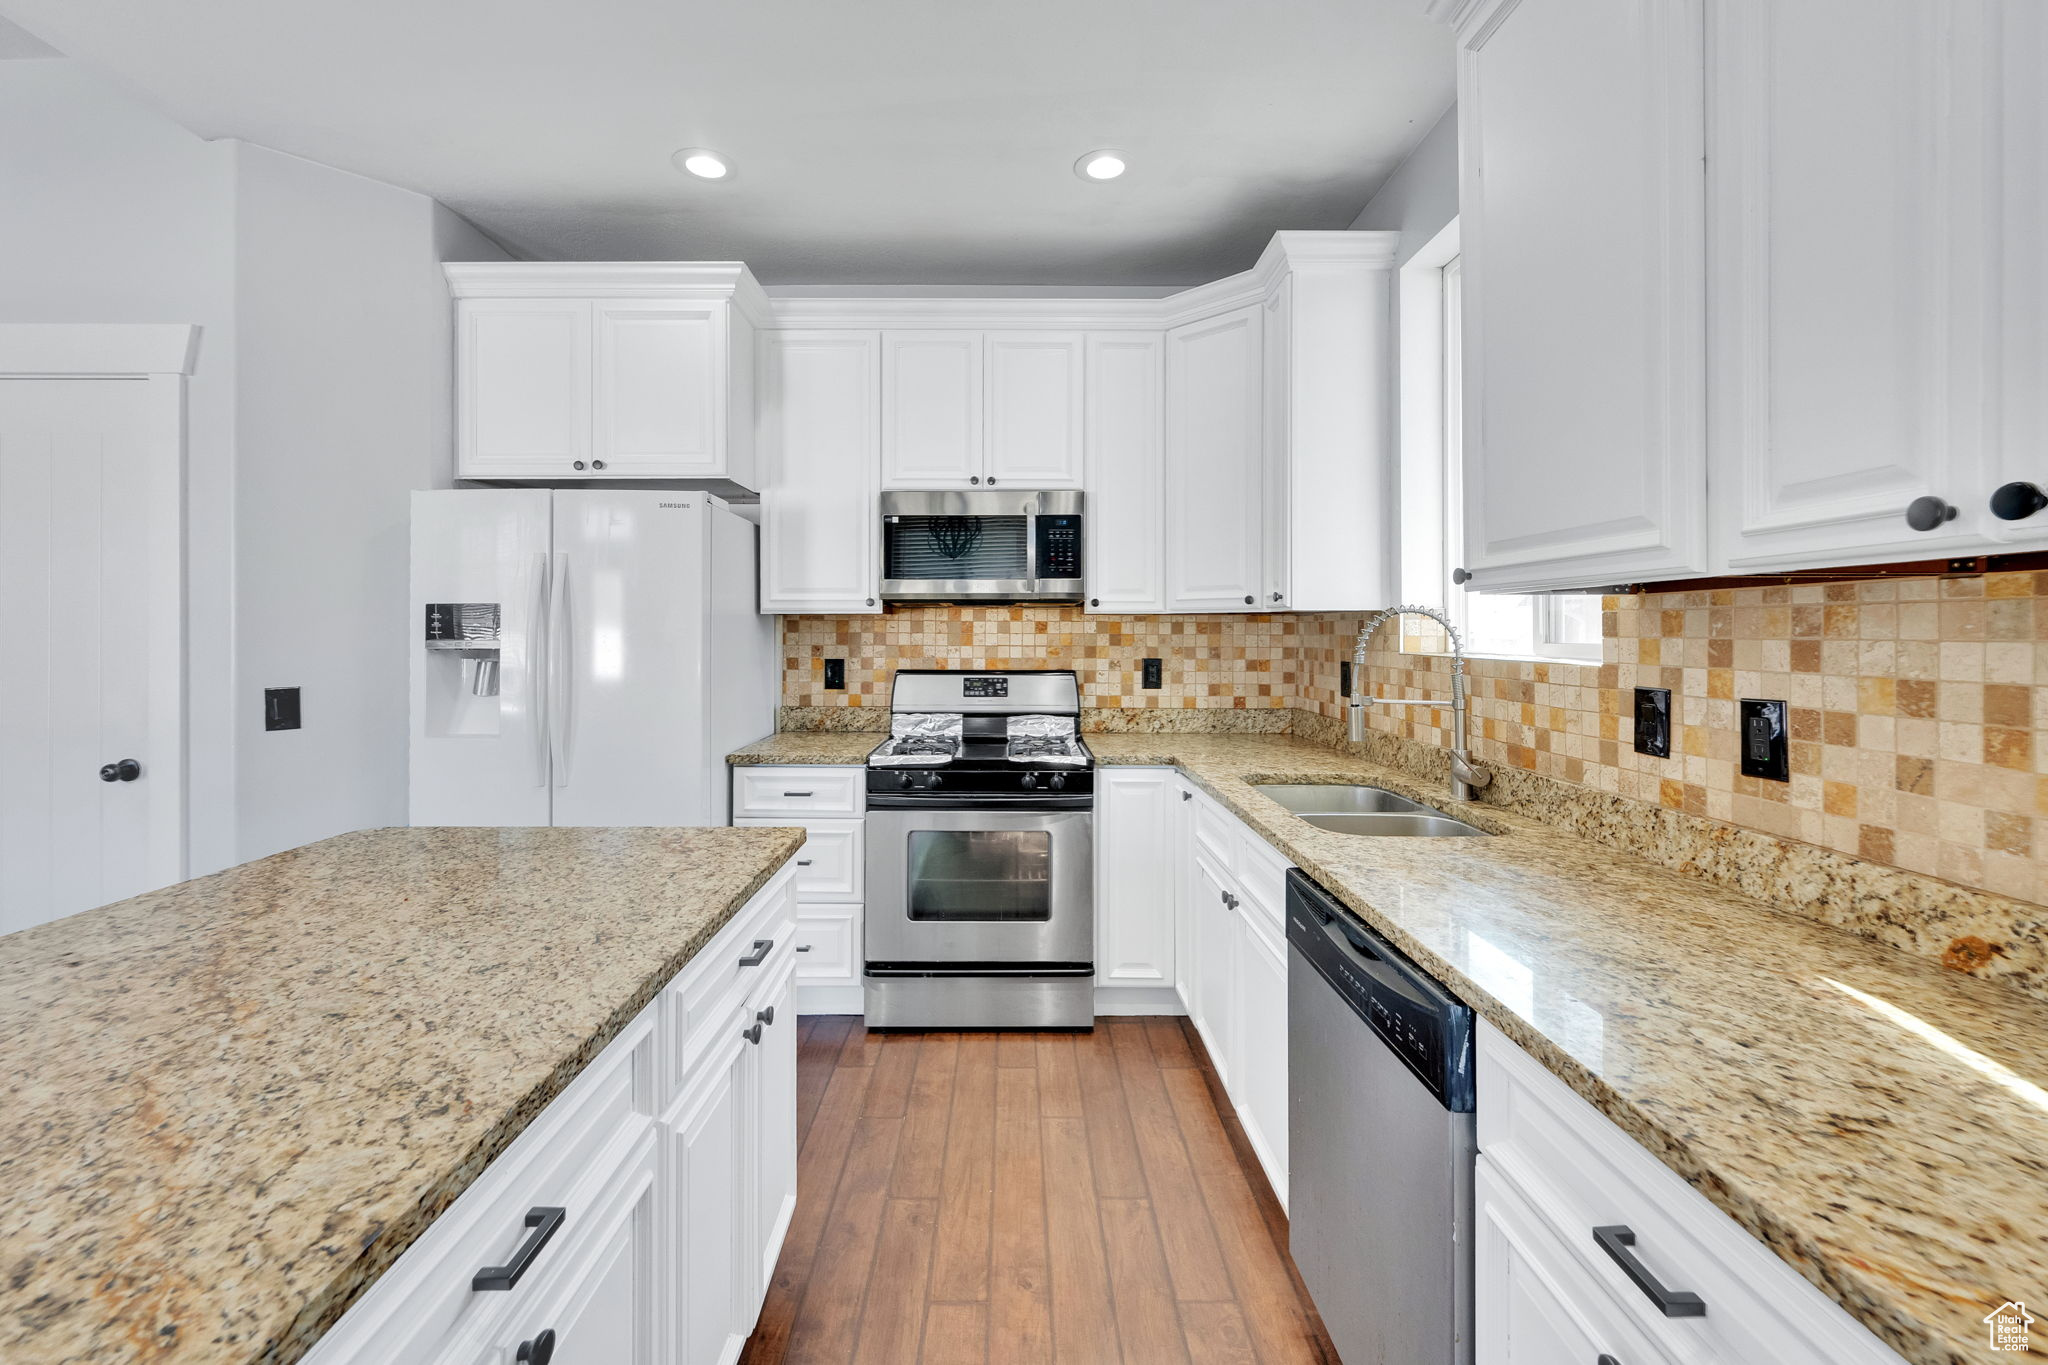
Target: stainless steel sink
(1420, 824)
(1308, 798)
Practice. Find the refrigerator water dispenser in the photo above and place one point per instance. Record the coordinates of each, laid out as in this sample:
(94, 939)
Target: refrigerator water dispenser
(463, 645)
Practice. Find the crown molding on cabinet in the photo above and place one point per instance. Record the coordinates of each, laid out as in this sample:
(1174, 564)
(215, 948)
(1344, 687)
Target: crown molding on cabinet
(33, 349)
(1465, 17)
(613, 280)
(1286, 252)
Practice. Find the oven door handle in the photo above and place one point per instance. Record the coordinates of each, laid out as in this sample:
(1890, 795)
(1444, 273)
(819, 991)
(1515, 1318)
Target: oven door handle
(993, 805)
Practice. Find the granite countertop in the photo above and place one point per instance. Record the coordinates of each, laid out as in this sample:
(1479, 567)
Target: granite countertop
(833, 747)
(228, 1105)
(1879, 1122)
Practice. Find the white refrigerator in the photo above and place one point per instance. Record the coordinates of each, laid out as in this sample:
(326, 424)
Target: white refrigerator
(583, 657)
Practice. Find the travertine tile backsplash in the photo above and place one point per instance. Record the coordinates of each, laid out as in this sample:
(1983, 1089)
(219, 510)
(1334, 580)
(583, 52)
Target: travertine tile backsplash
(1919, 707)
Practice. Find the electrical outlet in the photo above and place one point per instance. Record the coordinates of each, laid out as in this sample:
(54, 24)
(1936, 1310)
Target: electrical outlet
(1766, 746)
(1154, 675)
(1344, 678)
(280, 708)
(1653, 721)
(835, 675)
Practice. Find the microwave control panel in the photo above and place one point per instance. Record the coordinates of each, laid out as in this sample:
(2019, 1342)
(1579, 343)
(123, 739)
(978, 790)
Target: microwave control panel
(1059, 546)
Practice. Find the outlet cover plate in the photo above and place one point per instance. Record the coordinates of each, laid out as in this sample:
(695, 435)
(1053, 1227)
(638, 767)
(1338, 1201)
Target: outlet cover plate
(1766, 743)
(1154, 679)
(280, 708)
(835, 675)
(1653, 721)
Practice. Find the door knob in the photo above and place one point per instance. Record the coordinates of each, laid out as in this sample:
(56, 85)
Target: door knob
(1925, 514)
(2017, 501)
(127, 770)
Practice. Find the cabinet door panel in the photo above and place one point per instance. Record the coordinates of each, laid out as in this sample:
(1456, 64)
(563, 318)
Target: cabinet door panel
(1260, 1013)
(1847, 269)
(1582, 224)
(2020, 436)
(1035, 387)
(1134, 876)
(711, 1271)
(1124, 397)
(525, 388)
(1215, 464)
(773, 1132)
(819, 434)
(931, 409)
(660, 388)
(1215, 945)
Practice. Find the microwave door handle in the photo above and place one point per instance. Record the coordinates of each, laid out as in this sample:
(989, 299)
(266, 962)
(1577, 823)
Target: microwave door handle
(1031, 550)
(538, 661)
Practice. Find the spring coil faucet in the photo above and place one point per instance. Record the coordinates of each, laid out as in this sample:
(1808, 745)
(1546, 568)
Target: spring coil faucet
(1465, 779)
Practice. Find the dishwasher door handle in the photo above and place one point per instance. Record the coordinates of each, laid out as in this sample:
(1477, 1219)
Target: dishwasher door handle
(1672, 1303)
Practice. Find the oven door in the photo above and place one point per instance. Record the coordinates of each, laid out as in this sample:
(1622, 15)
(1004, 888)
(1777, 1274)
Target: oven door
(951, 887)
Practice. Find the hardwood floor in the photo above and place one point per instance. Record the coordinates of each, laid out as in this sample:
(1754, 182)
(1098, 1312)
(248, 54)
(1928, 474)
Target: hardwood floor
(1010, 1198)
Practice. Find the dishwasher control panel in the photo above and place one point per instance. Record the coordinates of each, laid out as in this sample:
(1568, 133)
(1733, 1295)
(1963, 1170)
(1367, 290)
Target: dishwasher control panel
(1421, 1023)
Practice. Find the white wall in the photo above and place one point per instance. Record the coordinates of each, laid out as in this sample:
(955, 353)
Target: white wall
(322, 395)
(1422, 193)
(345, 370)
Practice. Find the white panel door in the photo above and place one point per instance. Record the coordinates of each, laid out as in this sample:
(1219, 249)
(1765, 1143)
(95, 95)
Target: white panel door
(2019, 441)
(1215, 935)
(524, 373)
(629, 677)
(1035, 387)
(771, 1098)
(1849, 280)
(932, 435)
(660, 390)
(1124, 399)
(1215, 464)
(1134, 930)
(479, 754)
(1276, 365)
(710, 1268)
(1259, 1009)
(90, 536)
(1582, 222)
(603, 1303)
(821, 458)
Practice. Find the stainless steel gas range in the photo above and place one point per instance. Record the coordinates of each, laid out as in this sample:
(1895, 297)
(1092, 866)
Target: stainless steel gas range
(981, 855)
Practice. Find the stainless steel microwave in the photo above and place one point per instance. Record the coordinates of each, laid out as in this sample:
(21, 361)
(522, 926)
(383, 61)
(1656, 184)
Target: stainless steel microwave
(982, 546)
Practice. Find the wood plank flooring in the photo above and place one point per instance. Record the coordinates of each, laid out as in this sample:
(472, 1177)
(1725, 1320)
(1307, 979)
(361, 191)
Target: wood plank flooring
(1027, 1199)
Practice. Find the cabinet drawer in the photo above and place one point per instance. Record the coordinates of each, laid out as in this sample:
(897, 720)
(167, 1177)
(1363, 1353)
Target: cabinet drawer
(829, 867)
(798, 791)
(1579, 1171)
(737, 962)
(1262, 874)
(831, 933)
(426, 1302)
(1216, 832)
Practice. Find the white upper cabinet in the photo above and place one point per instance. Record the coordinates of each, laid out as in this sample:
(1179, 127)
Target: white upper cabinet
(2017, 55)
(1124, 555)
(1580, 126)
(1849, 208)
(571, 372)
(1034, 389)
(968, 409)
(1215, 464)
(931, 409)
(819, 432)
(523, 379)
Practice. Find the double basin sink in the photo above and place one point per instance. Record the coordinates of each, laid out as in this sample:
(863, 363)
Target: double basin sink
(1345, 809)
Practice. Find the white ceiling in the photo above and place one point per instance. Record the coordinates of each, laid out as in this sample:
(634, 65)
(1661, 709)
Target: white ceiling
(875, 141)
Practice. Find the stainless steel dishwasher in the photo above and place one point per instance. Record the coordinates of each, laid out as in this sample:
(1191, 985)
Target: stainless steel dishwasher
(1381, 1140)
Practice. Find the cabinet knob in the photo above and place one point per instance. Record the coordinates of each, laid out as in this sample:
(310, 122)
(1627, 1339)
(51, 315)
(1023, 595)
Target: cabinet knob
(1094, 601)
(974, 478)
(2017, 501)
(1925, 514)
(538, 1351)
(752, 1035)
(578, 464)
(1461, 576)
(766, 1016)
(597, 464)
(1247, 599)
(127, 770)
(1606, 1359)
(871, 601)
(1276, 597)
(991, 481)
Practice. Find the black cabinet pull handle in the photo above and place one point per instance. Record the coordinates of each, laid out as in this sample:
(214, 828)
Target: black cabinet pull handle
(796, 793)
(545, 1222)
(803, 947)
(803, 862)
(1672, 1303)
(766, 1016)
(752, 1035)
(2017, 501)
(759, 953)
(539, 1351)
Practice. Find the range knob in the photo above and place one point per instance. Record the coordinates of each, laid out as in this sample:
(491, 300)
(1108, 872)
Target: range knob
(1059, 781)
(902, 780)
(931, 780)
(1031, 779)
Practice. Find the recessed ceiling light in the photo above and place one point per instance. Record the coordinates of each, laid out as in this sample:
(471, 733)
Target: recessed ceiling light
(702, 163)
(1100, 165)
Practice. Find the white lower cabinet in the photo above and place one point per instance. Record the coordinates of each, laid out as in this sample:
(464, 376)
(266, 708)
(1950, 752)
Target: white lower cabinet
(636, 1219)
(829, 803)
(1134, 815)
(1548, 1291)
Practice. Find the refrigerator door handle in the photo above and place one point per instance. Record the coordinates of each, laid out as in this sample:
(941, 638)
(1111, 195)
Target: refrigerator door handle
(538, 662)
(562, 662)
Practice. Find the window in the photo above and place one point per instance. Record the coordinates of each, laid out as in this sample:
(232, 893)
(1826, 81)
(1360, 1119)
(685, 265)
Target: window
(1517, 625)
